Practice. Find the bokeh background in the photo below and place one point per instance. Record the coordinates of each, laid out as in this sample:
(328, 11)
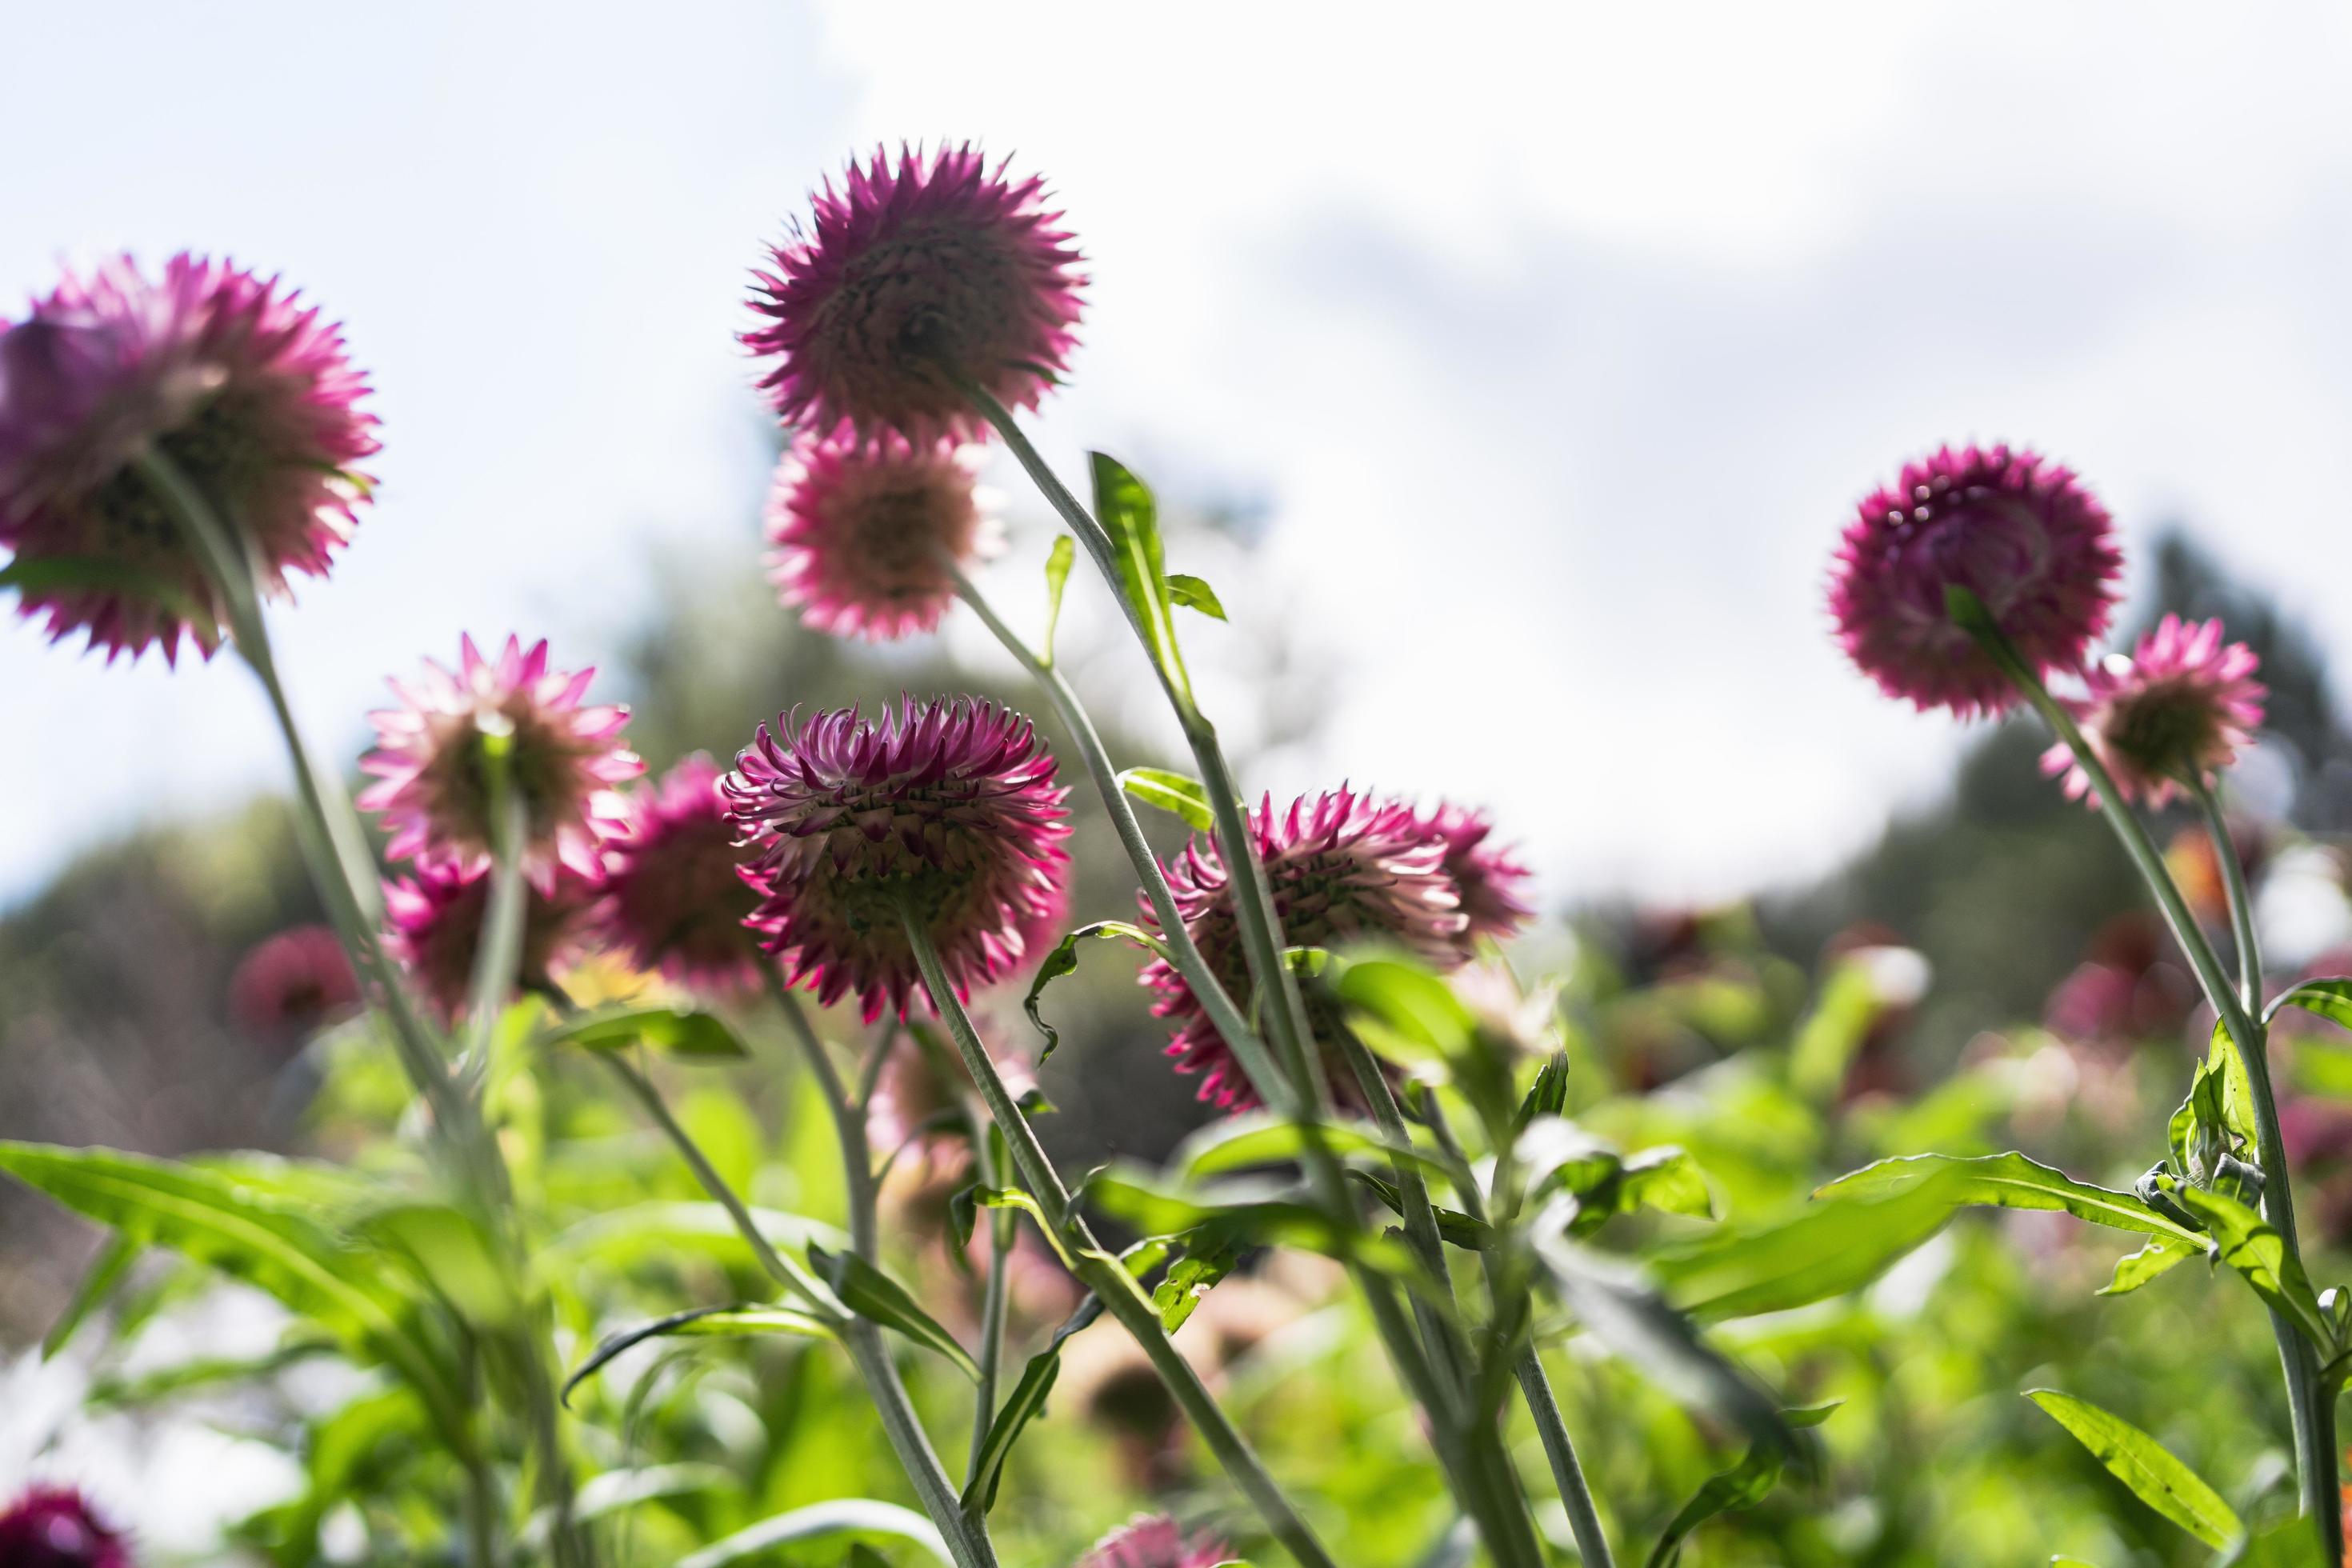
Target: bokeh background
(1508, 373)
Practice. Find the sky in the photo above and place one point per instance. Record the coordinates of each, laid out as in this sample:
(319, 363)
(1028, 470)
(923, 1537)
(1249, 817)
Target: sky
(1556, 342)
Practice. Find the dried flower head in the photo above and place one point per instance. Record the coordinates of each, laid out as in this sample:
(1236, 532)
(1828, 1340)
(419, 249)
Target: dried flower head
(432, 770)
(1154, 1541)
(244, 390)
(947, 809)
(2173, 713)
(1344, 867)
(674, 898)
(54, 1527)
(292, 983)
(436, 920)
(2019, 531)
(913, 281)
(864, 532)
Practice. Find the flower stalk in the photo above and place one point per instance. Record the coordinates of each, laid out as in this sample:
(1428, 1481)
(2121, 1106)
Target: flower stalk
(2311, 1402)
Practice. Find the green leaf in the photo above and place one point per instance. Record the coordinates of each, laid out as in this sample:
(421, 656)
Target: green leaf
(1454, 1227)
(2160, 1256)
(2260, 1256)
(1172, 793)
(1195, 595)
(2330, 999)
(122, 1392)
(451, 1253)
(1625, 1312)
(1405, 1013)
(2005, 1181)
(1015, 1198)
(1826, 1043)
(1027, 1398)
(660, 1231)
(680, 1031)
(1744, 1485)
(743, 1320)
(1560, 1157)
(2146, 1466)
(98, 1282)
(1058, 578)
(1211, 1251)
(1264, 1138)
(875, 1297)
(244, 1232)
(1836, 1245)
(1124, 507)
(1063, 959)
(1138, 1198)
(862, 1516)
(1548, 1094)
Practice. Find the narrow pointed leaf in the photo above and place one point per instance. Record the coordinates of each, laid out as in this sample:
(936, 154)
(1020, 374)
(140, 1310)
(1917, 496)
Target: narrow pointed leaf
(1063, 959)
(1172, 793)
(1195, 595)
(679, 1031)
(2146, 1466)
(1125, 507)
(744, 1321)
(875, 1297)
(2006, 1181)
(2330, 999)
(861, 1516)
(1027, 1398)
(2259, 1255)
(1058, 578)
(98, 1282)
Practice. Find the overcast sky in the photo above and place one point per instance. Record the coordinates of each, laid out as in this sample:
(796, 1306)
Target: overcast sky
(1558, 340)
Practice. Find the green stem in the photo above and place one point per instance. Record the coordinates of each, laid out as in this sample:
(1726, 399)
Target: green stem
(1248, 1049)
(1253, 897)
(2242, 903)
(343, 870)
(967, 1539)
(1003, 1234)
(1102, 1272)
(1481, 1445)
(2310, 1404)
(1292, 1091)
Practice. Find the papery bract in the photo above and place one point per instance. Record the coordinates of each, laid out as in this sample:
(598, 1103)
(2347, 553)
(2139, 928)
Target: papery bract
(1343, 866)
(243, 389)
(674, 898)
(864, 532)
(2176, 710)
(946, 809)
(432, 772)
(435, 928)
(2015, 530)
(910, 280)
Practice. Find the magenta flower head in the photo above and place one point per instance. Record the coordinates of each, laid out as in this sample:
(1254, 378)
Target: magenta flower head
(431, 783)
(674, 899)
(864, 531)
(292, 983)
(2019, 531)
(436, 920)
(947, 809)
(2173, 713)
(1344, 867)
(1487, 877)
(913, 282)
(245, 391)
(54, 1527)
(1154, 1541)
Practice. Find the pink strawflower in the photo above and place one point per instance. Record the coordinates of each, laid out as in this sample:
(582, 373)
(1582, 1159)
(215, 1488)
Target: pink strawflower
(1487, 877)
(914, 281)
(913, 1098)
(54, 1527)
(2175, 711)
(431, 785)
(2018, 531)
(949, 807)
(674, 899)
(864, 532)
(247, 392)
(1154, 1541)
(1344, 867)
(292, 983)
(437, 929)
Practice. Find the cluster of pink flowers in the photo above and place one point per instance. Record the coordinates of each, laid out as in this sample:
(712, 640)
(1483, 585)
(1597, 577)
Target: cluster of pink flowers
(1344, 867)
(1154, 1541)
(2038, 553)
(914, 286)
